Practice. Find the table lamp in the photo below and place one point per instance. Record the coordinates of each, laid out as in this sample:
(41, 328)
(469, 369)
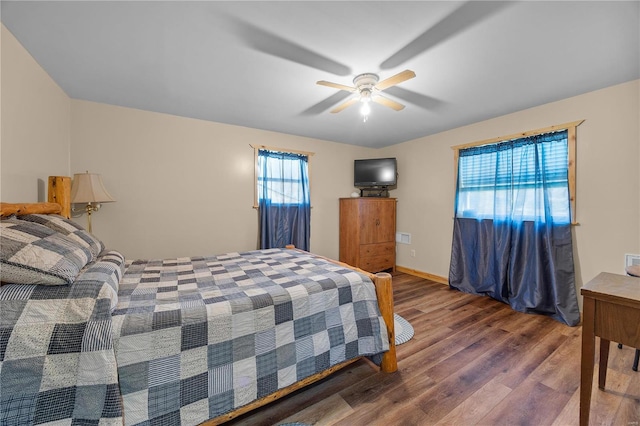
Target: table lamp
(88, 188)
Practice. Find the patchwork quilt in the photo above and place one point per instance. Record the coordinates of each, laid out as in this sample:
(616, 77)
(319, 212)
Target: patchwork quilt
(178, 341)
(199, 337)
(57, 362)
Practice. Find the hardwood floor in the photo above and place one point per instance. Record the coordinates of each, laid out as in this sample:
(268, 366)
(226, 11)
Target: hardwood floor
(472, 361)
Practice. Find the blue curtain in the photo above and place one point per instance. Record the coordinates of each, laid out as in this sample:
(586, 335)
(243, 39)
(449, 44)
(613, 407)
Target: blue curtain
(283, 199)
(512, 228)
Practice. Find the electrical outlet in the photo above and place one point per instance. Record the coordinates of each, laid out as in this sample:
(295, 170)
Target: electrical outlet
(413, 253)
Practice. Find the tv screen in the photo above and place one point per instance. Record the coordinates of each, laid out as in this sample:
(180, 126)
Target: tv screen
(375, 172)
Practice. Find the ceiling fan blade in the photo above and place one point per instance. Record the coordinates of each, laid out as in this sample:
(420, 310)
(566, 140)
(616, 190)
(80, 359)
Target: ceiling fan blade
(387, 102)
(275, 45)
(344, 105)
(469, 14)
(423, 101)
(327, 103)
(336, 86)
(398, 78)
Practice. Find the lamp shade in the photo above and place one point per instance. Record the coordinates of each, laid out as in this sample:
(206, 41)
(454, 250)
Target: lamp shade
(88, 188)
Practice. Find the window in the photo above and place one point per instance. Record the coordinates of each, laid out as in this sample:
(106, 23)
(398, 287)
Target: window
(497, 179)
(282, 197)
(282, 177)
(512, 236)
(502, 180)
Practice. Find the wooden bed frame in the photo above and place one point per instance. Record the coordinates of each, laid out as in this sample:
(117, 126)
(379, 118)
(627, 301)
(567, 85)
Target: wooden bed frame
(383, 283)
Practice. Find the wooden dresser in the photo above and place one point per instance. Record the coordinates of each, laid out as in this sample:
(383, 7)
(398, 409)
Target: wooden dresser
(368, 233)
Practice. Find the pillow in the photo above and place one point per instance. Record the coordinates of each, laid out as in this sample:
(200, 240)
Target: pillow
(107, 270)
(69, 228)
(31, 253)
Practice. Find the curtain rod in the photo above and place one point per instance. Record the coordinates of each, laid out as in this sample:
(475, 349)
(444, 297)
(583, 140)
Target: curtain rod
(270, 148)
(554, 128)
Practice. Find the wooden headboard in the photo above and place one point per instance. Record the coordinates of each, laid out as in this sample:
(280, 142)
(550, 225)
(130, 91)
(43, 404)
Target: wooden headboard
(58, 196)
(7, 209)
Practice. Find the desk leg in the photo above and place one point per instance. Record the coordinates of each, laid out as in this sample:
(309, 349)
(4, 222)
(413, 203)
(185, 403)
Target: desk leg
(586, 362)
(604, 359)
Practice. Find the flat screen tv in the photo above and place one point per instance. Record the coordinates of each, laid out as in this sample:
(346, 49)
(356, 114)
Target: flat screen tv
(375, 173)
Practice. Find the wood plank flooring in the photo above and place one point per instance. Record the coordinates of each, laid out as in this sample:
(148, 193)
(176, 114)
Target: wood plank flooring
(472, 361)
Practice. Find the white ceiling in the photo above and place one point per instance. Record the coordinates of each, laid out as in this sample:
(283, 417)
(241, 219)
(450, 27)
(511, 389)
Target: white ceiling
(256, 64)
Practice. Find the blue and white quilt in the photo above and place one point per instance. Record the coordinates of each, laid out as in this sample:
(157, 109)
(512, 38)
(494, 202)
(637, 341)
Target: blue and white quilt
(198, 337)
(180, 341)
(57, 360)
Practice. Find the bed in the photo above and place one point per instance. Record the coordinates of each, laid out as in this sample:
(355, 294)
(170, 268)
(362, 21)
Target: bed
(171, 341)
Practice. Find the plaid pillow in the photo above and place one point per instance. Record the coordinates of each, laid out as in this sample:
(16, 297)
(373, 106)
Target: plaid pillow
(109, 269)
(69, 228)
(31, 253)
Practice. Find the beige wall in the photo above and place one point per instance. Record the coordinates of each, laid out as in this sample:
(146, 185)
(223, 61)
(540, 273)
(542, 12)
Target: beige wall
(608, 180)
(185, 187)
(35, 123)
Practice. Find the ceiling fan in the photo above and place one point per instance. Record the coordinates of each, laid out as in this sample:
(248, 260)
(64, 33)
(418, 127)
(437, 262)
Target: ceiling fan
(367, 88)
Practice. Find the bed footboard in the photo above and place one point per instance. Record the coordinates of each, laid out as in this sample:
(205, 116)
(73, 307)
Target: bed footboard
(384, 291)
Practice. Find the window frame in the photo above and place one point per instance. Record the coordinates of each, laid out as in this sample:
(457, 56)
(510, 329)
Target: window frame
(571, 129)
(256, 170)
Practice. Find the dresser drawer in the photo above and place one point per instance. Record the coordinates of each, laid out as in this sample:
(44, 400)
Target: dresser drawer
(377, 263)
(380, 249)
(377, 257)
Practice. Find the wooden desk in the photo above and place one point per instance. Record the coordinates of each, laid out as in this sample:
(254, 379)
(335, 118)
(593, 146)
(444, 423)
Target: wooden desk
(611, 311)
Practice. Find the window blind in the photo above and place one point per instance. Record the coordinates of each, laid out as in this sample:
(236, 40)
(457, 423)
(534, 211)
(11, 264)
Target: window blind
(510, 178)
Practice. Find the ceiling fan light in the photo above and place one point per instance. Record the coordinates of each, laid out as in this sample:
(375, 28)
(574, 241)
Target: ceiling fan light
(365, 109)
